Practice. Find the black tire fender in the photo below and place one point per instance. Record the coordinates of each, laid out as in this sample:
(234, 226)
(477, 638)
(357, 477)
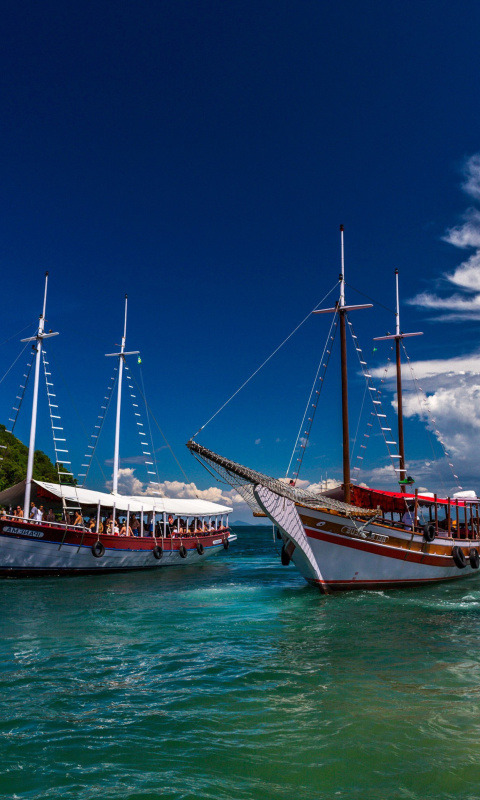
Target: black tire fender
(474, 558)
(182, 551)
(157, 552)
(284, 557)
(98, 549)
(459, 557)
(226, 543)
(200, 548)
(429, 532)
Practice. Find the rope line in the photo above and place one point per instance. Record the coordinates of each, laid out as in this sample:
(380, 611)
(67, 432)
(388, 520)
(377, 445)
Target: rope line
(428, 417)
(303, 444)
(94, 437)
(377, 409)
(187, 479)
(266, 361)
(12, 365)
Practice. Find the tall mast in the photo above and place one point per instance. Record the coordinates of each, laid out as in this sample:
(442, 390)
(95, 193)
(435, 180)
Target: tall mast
(121, 358)
(342, 309)
(343, 367)
(398, 337)
(38, 338)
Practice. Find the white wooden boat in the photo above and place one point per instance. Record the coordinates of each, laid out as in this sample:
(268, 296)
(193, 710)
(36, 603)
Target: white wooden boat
(172, 531)
(361, 538)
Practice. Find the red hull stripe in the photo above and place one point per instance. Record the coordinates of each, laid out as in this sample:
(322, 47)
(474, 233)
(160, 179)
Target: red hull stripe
(387, 584)
(380, 550)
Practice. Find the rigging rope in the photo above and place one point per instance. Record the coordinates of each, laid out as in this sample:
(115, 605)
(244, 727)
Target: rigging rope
(266, 361)
(164, 437)
(12, 365)
(147, 453)
(303, 445)
(20, 397)
(377, 406)
(99, 427)
(427, 415)
(19, 332)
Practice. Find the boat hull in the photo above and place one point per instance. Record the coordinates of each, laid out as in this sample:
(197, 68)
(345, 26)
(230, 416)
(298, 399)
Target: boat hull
(338, 553)
(28, 549)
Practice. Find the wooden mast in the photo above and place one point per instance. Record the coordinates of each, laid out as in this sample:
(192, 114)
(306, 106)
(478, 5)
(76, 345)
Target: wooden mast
(342, 309)
(398, 336)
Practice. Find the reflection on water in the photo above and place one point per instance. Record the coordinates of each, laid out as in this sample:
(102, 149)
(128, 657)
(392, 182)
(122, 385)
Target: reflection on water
(237, 680)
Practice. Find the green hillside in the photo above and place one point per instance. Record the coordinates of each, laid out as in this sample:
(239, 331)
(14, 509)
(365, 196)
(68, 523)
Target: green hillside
(13, 468)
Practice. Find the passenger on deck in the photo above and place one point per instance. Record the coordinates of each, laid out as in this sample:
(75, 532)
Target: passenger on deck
(108, 524)
(408, 518)
(92, 525)
(135, 524)
(124, 531)
(33, 510)
(40, 513)
(170, 525)
(50, 516)
(19, 512)
(78, 518)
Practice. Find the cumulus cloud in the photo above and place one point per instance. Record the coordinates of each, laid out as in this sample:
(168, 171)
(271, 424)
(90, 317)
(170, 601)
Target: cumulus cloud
(464, 303)
(468, 233)
(472, 176)
(129, 484)
(451, 392)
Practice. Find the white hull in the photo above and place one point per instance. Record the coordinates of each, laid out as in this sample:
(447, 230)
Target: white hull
(31, 552)
(337, 552)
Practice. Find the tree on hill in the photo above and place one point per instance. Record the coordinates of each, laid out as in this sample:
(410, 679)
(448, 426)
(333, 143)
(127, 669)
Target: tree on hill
(13, 468)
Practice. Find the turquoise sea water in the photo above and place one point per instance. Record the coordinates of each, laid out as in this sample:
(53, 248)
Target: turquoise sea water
(237, 680)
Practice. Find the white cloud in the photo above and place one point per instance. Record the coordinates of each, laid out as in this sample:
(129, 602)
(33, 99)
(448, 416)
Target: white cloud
(451, 411)
(258, 441)
(468, 233)
(129, 484)
(463, 304)
(471, 184)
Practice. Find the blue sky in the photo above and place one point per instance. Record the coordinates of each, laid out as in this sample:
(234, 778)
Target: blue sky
(200, 157)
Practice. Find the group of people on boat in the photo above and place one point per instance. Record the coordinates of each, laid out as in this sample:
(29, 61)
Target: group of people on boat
(125, 526)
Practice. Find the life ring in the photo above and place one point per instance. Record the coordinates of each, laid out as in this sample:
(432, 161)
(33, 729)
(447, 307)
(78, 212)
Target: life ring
(474, 558)
(98, 549)
(429, 532)
(182, 551)
(459, 557)
(200, 548)
(157, 552)
(226, 543)
(285, 558)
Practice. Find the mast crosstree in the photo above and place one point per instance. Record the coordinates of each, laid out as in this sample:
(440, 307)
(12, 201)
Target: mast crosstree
(341, 308)
(398, 336)
(121, 360)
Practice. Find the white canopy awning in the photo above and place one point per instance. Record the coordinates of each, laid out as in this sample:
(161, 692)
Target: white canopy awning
(42, 492)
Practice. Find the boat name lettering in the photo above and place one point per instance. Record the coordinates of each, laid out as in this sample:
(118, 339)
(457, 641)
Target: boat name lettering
(217, 541)
(376, 537)
(379, 537)
(320, 524)
(23, 532)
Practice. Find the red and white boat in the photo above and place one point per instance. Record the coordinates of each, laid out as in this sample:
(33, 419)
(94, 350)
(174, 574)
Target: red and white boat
(172, 531)
(359, 538)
